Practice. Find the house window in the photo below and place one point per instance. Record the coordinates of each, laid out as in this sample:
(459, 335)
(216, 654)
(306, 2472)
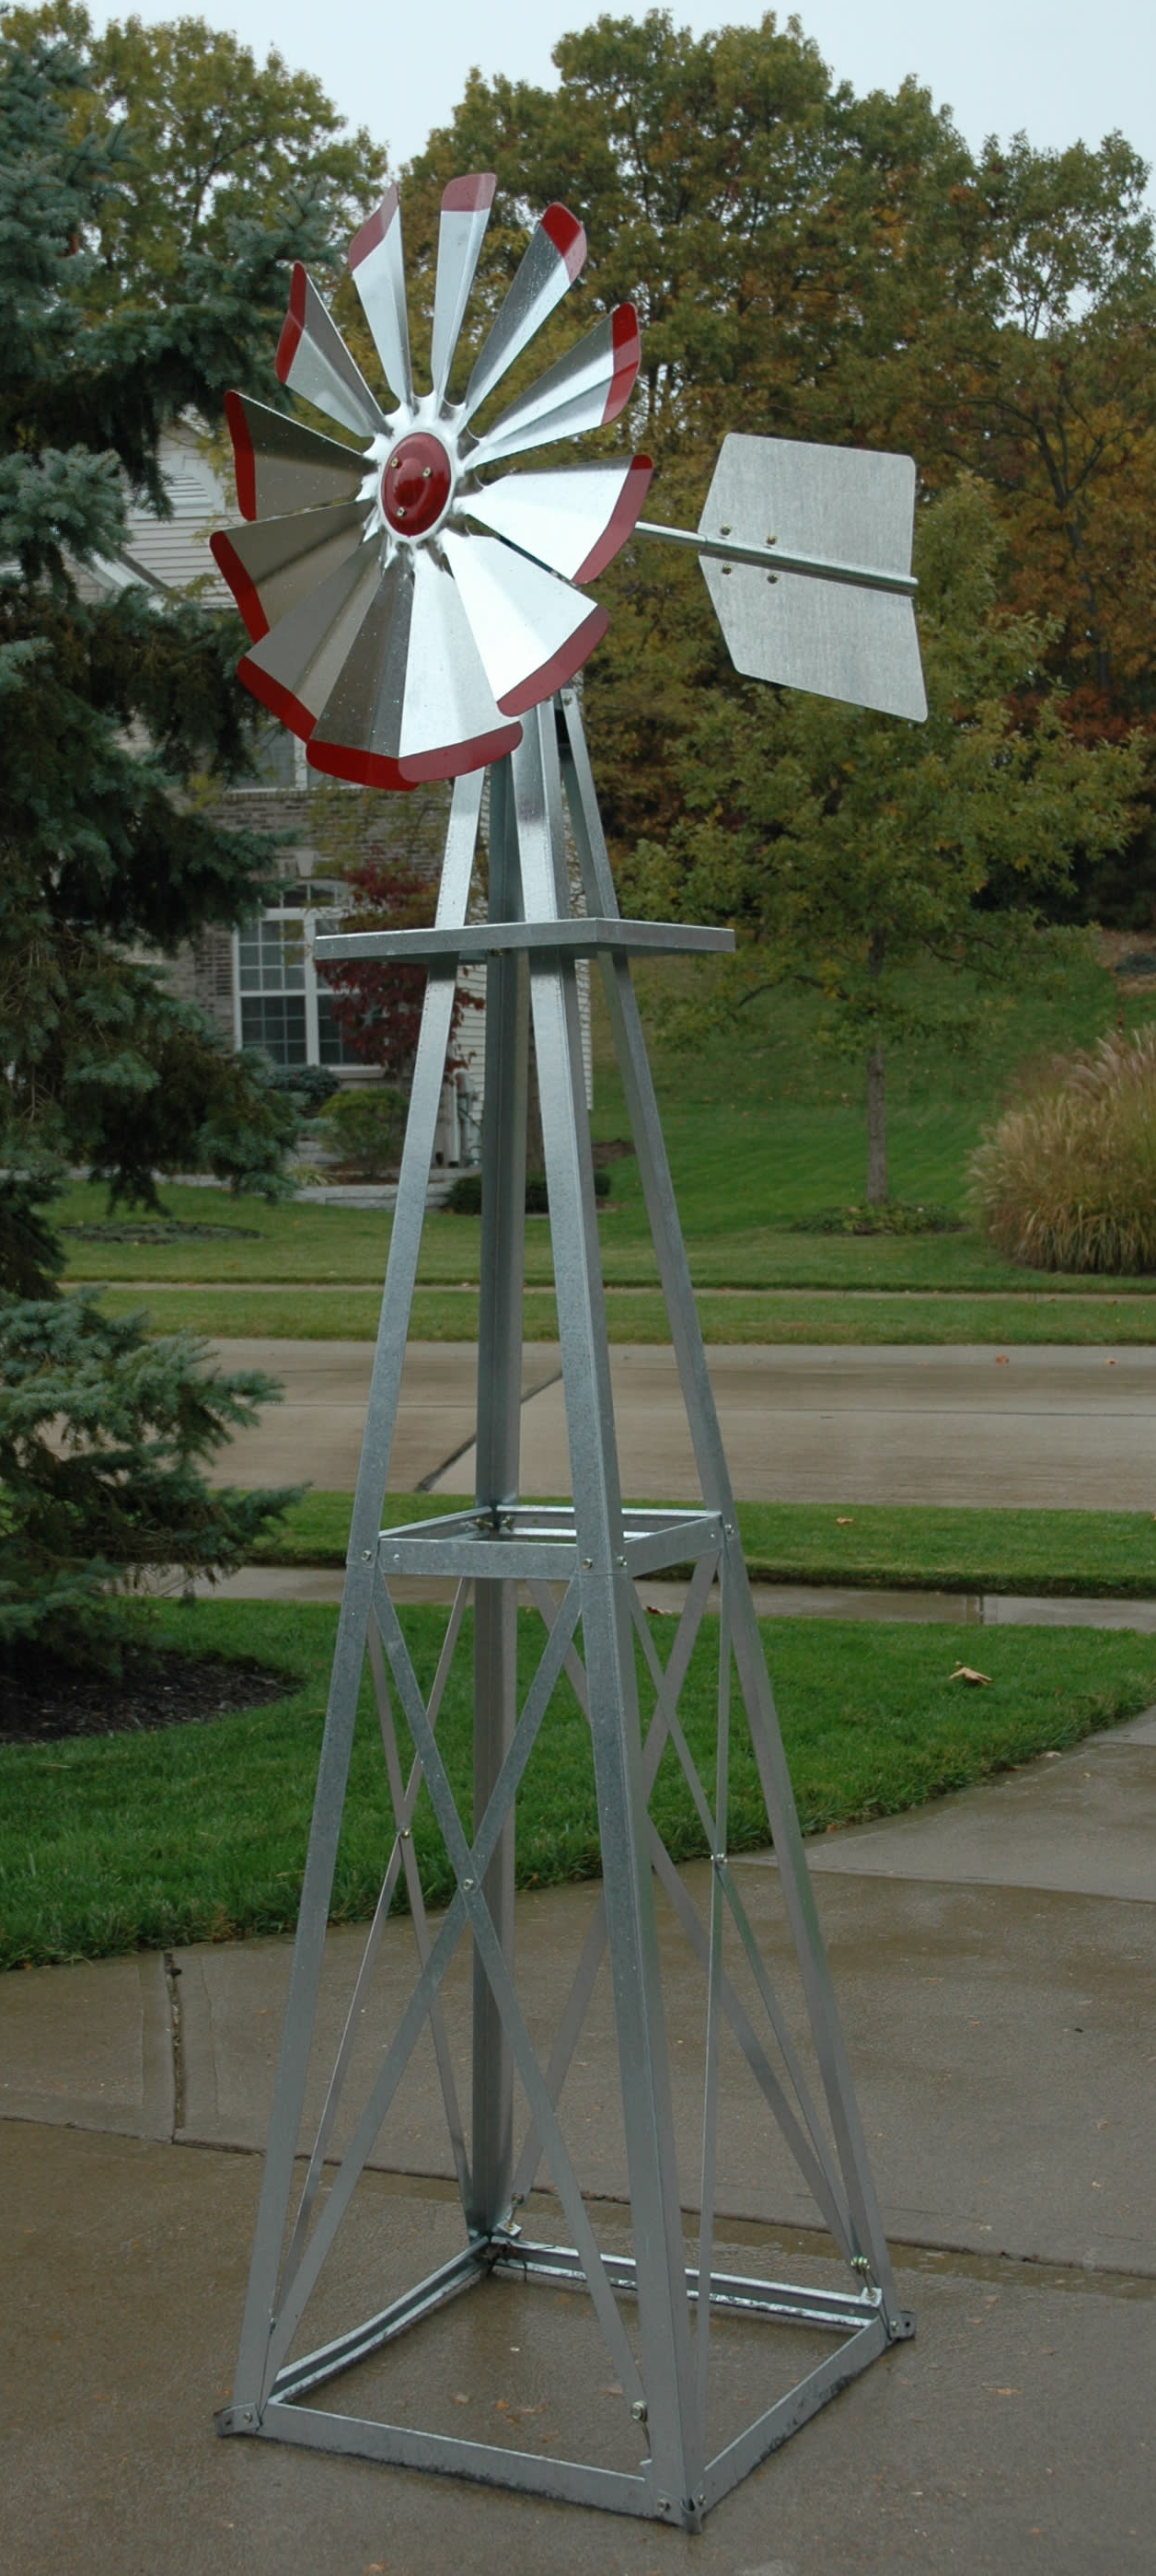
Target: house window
(282, 1004)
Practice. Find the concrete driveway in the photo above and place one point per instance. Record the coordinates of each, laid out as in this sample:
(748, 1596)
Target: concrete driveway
(1032, 1426)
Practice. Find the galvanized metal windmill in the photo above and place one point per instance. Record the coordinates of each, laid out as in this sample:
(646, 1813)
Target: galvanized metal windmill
(413, 617)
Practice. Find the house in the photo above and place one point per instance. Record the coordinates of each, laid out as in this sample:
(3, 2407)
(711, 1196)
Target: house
(260, 983)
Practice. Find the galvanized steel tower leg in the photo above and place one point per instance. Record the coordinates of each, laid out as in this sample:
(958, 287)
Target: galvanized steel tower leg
(714, 1474)
(353, 1626)
(498, 1445)
(608, 1644)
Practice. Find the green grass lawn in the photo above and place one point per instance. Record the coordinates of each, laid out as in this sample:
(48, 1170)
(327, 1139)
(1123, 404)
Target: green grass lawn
(958, 1550)
(198, 1832)
(304, 1315)
(763, 1129)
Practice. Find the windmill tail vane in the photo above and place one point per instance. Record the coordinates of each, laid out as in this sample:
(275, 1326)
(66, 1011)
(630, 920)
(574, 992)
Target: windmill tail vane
(404, 613)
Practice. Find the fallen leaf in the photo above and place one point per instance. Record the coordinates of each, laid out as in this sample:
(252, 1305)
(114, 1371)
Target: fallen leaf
(968, 1673)
(461, 2399)
(843, 1520)
(1002, 1359)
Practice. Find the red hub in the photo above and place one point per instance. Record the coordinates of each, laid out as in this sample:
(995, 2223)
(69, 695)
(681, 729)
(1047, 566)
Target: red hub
(416, 484)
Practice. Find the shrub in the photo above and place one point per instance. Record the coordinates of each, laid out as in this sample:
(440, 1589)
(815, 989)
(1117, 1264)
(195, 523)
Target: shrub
(891, 1216)
(365, 1127)
(465, 1197)
(1067, 1179)
(104, 1437)
(312, 1085)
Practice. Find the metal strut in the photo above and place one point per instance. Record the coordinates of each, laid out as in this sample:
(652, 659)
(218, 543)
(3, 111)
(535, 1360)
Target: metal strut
(580, 1565)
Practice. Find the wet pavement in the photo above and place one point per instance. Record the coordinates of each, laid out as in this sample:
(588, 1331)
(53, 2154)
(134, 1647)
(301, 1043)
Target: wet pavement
(994, 1956)
(771, 1600)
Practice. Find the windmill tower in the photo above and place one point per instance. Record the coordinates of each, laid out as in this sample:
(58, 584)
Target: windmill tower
(413, 615)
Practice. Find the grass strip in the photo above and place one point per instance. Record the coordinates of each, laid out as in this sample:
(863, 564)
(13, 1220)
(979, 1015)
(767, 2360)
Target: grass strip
(198, 1833)
(905, 1546)
(741, 1317)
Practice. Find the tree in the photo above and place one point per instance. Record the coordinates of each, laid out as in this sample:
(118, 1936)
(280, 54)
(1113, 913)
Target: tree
(850, 849)
(209, 142)
(759, 217)
(388, 850)
(814, 264)
(121, 714)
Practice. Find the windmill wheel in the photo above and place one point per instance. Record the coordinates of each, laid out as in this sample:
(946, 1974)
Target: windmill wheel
(403, 612)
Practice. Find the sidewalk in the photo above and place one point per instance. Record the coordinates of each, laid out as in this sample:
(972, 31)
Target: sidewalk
(771, 1600)
(993, 1956)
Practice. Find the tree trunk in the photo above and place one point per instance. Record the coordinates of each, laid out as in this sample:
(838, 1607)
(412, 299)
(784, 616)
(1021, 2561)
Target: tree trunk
(876, 1130)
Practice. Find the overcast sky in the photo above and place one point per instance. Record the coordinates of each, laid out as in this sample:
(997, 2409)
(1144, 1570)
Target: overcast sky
(1061, 70)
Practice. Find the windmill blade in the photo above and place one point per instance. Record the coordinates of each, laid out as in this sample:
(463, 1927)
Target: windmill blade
(375, 258)
(532, 631)
(550, 263)
(584, 390)
(313, 361)
(412, 702)
(293, 668)
(461, 231)
(272, 566)
(280, 465)
(574, 519)
(839, 505)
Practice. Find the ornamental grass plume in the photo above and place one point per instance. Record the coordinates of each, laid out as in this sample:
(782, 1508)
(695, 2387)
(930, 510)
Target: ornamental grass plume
(1067, 1178)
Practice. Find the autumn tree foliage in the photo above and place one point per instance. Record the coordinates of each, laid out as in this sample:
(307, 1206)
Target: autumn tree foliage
(387, 852)
(850, 849)
(811, 263)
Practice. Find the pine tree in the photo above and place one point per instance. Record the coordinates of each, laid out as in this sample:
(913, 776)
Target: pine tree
(119, 710)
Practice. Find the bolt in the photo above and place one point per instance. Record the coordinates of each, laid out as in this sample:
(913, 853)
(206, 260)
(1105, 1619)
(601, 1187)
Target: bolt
(726, 528)
(638, 2410)
(367, 1555)
(727, 568)
(467, 1884)
(664, 2504)
(405, 1833)
(425, 473)
(401, 512)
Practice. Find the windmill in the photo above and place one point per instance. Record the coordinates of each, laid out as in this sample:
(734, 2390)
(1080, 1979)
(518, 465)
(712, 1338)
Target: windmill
(415, 614)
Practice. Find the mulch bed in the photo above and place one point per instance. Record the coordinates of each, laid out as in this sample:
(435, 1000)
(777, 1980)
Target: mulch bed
(149, 1691)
